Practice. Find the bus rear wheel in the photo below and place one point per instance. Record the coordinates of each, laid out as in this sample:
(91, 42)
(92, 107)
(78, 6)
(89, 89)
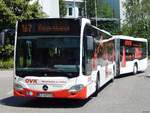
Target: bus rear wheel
(97, 85)
(135, 69)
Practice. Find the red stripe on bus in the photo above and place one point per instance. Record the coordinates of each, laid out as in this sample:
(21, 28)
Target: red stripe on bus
(55, 94)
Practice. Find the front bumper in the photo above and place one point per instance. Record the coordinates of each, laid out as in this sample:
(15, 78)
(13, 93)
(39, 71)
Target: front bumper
(54, 94)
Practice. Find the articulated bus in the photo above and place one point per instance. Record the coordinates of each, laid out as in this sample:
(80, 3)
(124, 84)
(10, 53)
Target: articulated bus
(61, 58)
(131, 54)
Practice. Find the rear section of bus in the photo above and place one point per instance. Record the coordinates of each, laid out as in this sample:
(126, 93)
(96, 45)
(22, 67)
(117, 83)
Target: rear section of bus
(131, 54)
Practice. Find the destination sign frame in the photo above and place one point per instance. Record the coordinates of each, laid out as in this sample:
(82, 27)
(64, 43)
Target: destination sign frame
(38, 27)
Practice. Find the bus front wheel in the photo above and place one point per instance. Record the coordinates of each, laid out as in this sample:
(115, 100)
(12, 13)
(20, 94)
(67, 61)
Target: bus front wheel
(97, 85)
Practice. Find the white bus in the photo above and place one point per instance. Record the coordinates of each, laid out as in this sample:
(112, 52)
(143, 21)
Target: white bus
(61, 58)
(131, 54)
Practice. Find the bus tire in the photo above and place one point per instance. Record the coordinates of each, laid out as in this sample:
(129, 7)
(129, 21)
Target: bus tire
(113, 78)
(114, 74)
(97, 85)
(135, 69)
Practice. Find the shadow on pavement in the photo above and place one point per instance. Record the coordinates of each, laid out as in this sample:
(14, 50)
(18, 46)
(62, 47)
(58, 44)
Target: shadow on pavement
(147, 76)
(42, 102)
(127, 75)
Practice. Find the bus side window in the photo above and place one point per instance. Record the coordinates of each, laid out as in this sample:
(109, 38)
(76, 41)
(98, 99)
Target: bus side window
(88, 50)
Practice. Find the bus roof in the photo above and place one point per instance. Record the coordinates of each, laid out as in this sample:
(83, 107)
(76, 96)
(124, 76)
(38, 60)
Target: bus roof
(125, 38)
(128, 38)
(38, 19)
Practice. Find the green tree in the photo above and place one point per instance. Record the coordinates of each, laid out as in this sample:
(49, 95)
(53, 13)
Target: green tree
(105, 10)
(7, 17)
(137, 18)
(10, 12)
(90, 8)
(62, 8)
(13, 10)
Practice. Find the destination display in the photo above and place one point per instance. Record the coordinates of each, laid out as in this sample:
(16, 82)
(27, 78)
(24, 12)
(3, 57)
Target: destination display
(131, 43)
(49, 27)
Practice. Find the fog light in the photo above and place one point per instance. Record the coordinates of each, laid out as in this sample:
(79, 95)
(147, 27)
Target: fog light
(29, 93)
(76, 88)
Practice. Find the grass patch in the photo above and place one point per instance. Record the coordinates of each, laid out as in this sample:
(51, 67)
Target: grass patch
(6, 64)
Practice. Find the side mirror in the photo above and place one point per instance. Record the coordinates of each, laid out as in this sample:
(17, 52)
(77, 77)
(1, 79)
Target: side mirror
(90, 43)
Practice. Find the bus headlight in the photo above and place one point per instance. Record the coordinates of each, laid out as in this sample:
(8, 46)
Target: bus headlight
(18, 87)
(76, 88)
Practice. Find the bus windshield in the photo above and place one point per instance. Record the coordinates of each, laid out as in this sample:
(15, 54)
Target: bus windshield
(48, 56)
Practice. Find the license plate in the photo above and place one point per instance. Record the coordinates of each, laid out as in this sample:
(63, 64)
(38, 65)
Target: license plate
(45, 95)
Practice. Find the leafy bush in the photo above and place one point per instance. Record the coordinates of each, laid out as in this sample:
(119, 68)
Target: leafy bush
(6, 52)
(6, 56)
(8, 64)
